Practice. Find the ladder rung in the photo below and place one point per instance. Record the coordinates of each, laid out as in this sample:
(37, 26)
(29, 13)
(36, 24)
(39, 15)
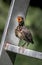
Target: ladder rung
(23, 51)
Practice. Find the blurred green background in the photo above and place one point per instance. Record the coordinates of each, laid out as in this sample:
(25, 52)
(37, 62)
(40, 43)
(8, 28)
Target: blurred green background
(3, 15)
(34, 23)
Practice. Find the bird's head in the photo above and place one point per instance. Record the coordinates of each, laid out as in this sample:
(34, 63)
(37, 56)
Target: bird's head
(19, 19)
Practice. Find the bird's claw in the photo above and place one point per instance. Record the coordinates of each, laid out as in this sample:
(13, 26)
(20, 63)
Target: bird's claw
(21, 49)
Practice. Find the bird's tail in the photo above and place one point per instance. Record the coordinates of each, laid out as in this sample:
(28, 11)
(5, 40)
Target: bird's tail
(32, 42)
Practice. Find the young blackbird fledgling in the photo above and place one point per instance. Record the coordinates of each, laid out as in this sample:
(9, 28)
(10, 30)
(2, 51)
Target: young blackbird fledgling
(22, 32)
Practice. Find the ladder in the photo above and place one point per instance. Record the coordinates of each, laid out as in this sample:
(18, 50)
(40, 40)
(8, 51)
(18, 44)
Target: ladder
(18, 7)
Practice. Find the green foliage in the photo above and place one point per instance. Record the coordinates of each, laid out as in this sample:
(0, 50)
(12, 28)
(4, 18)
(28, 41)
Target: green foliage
(3, 16)
(24, 60)
(7, 1)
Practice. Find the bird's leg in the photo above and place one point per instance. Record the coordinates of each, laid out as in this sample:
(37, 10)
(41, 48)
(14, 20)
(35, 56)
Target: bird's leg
(27, 43)
(23, 48)
(23, 44)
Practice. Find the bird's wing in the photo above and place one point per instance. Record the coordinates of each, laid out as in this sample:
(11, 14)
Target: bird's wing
(27, 33)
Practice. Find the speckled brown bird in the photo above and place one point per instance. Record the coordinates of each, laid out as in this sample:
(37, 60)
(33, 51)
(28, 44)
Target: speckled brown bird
(22, 32)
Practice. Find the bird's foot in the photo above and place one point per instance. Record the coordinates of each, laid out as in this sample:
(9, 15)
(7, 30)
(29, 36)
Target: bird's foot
(21, 49)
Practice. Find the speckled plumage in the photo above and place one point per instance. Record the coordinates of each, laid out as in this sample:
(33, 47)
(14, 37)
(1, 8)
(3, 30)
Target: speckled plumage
(23, 33)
